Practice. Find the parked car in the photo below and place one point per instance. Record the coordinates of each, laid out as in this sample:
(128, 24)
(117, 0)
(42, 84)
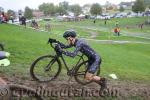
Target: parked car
(112, 16)
(119, 16)
(107, 17)
(92, 17)
(147, 13)
(103, 17)
(16, 20)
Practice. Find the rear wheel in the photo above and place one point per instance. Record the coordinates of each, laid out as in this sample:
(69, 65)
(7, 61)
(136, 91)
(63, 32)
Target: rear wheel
(80, 73)
(45, 68)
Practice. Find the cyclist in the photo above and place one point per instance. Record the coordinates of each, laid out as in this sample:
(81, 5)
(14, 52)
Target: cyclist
(94, 59)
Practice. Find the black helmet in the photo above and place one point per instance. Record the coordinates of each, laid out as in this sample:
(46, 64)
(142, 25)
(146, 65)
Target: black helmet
(69, 33)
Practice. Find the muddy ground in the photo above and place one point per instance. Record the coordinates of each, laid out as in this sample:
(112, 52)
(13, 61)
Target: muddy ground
(65, 90)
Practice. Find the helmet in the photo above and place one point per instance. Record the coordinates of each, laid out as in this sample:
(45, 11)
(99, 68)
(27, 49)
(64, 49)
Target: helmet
(69, 33)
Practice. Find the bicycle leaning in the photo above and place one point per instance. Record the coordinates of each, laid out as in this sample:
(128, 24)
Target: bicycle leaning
(48, 67)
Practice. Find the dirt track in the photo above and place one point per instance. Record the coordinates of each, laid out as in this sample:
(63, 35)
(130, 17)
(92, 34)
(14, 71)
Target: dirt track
(62, 89)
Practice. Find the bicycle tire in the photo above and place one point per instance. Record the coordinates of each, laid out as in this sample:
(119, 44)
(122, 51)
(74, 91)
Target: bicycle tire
(83, 81)
(56, 73)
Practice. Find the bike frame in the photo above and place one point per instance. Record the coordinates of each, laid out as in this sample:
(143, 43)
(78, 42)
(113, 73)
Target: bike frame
(66, 66)
(59, 55)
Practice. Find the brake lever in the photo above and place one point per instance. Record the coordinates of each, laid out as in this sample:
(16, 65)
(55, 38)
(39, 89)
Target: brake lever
(52, 40)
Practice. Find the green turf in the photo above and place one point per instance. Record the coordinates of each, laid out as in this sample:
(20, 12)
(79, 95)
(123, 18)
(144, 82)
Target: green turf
(127, 61)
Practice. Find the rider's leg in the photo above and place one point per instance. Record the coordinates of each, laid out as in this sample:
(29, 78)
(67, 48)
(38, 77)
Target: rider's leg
(90, 74)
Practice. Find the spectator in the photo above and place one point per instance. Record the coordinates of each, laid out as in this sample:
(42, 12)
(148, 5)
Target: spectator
(117, 24)
(1, 19)
(34, 24)
(20, 20)
(12, 18)
(94, 21)
(4, 18)
(105, 21)
(23, 21)
(48, 27)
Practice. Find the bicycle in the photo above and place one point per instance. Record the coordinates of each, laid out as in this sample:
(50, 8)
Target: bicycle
(47, 68)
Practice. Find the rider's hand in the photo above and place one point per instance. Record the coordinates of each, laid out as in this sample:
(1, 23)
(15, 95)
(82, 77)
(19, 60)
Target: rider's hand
(60, 49)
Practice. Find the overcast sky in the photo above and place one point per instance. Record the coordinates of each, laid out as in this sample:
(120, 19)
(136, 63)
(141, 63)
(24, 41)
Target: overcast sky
(21, 4)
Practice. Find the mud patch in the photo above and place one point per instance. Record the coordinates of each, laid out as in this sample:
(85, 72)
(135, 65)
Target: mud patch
(70, 90)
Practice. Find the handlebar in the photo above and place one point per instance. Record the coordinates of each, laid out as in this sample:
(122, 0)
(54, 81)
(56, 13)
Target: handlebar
(58, 45)
(51, 41)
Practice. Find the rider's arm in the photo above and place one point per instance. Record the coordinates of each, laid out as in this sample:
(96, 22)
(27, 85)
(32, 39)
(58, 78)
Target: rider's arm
(64, 46)
(73, 54)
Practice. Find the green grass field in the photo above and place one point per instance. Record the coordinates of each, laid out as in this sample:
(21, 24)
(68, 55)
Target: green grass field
(128, 61)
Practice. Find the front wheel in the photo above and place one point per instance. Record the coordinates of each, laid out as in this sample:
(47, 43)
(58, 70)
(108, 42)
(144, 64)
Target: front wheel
(80, 73)
(45, 68)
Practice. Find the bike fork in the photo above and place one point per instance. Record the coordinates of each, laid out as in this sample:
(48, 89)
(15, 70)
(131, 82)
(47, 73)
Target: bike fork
(47, 68)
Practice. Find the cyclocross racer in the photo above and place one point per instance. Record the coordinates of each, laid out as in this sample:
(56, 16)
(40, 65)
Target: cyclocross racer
(94, 60)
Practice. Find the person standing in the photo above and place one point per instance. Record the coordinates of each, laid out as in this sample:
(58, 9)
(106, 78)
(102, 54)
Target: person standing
(1, 19)
(12, 18)
(105, 21)
(48, 27)
(94, 21)
(117, 24)
(117, 31)
(23, 20)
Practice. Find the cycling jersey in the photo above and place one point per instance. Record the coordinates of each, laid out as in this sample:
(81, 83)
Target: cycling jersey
(93, 58)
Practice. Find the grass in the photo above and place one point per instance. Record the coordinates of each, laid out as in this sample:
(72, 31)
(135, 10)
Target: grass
(127, 61)
(104, 31)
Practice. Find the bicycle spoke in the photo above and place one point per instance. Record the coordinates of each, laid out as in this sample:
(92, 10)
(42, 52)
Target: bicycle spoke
(80, 73)
(45, 68)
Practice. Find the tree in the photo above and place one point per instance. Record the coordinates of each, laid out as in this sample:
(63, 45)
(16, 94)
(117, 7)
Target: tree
(86, 9)
(11, 13)
(96, 9)
(147, 3)
(47, 8)
(138, 6)
(61, 10)
(1, 9)
(76, 9)
(121, 9)
(64, 4)
(28, 13)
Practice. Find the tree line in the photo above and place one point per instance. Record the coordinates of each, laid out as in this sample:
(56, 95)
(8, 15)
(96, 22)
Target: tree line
(49, 9)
